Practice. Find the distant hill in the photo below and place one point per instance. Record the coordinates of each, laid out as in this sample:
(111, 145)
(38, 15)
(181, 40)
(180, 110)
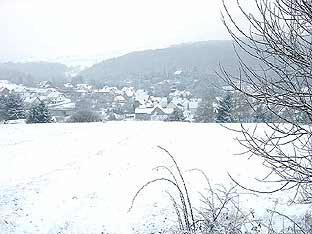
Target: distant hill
(33, 72)
(190, 66)
(198, 61)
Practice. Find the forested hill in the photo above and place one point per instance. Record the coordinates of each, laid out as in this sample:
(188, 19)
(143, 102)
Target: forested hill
(189, 66)
(199, 60)
(33, 72)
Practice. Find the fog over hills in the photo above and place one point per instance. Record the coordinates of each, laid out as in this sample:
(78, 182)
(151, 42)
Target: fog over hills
(189, 65)
(31, 73)
(200, 57)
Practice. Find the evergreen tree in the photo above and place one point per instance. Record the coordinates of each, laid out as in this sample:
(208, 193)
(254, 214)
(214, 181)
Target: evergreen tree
(225, 110)
(261, 115)
(242, 111)
(205, 113)
(302, 118)
(14, 106)
(178, 115)
(39, 114)
(3, 109)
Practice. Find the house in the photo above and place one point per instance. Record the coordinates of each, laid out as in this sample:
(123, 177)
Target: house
(4, 91)
(178, 102)
(141, 96)
(46, 84)
(55, 97)
(193, 106)
(68, 86)
(163, 102)
(153, 113)
(178, 72)
(181, 94)
(143, 113)
(228, 88)
(172, 105)
(83, 90)
(161, 114)
(119, 99)
(60, 111)
(128, 91)
(31, 101)
(105, 89)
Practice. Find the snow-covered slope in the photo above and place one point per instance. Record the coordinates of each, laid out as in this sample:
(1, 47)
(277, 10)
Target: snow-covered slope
(80, 178)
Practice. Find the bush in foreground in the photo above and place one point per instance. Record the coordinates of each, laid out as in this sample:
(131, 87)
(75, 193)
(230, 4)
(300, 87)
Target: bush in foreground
(221, 210)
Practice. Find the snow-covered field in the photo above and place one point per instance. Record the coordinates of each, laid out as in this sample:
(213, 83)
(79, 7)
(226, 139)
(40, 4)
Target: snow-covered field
(80, 178)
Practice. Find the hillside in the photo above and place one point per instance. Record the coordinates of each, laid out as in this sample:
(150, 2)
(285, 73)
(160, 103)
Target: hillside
(31, 73)
(80, 178)
(197, 60)
(190, 66)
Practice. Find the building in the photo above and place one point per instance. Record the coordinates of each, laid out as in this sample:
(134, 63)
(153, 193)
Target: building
(156, 113)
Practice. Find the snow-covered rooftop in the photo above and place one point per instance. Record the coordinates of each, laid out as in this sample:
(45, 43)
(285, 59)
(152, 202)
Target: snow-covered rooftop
(178, 72)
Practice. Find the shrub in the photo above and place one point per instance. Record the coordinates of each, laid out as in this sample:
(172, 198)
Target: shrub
(221, 212)
(84, 116)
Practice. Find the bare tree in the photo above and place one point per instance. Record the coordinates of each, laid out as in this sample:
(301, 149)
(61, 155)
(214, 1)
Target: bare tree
(280, 39)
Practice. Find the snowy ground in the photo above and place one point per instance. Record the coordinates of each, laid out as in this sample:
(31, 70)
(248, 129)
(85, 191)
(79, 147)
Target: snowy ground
(80, 178)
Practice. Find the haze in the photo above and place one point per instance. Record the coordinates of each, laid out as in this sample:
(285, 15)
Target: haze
(49, 29)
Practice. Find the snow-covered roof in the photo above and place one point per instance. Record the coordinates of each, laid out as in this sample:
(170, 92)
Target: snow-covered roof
(84, 87)
(119, 92)
(141, 94)
(10, 86)
(228, 88)
(129, 92)
(178, 72)
(150, 110)
(167, 110)
(119, 98)
(4, 82)
(146, 110)
(54, 94)
(68, 85)
(193, 105)
(81, 91)
(65, 105)
(178, 100)
(31, 99)
(104, 90)
(179, 93)
(42, 98)
(155, 99)
(2, 89)
(163, 102)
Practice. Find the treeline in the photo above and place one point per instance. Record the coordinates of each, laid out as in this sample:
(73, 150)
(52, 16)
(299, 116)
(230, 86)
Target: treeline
(32, 73)
(235, 107)
(12, 107)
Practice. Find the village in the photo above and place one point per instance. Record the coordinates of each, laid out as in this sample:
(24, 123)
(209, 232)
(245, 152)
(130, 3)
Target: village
(110, 103)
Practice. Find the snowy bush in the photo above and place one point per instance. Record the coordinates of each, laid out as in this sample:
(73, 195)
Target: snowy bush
(84, 116)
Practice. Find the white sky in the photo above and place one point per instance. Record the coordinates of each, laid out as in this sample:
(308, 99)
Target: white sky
(46, 29)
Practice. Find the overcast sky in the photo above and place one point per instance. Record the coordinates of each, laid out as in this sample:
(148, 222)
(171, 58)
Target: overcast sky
(45, 29)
